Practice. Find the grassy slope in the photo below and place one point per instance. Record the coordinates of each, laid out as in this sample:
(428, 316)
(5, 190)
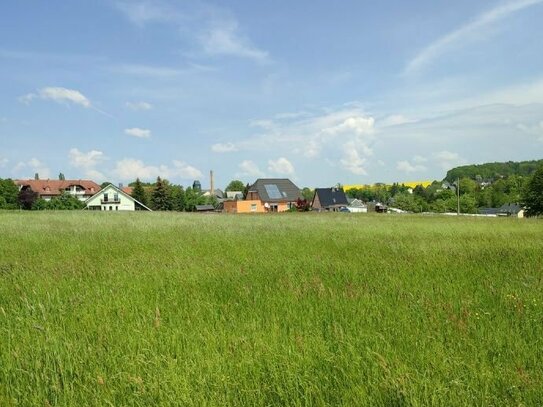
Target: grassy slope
(269, 310)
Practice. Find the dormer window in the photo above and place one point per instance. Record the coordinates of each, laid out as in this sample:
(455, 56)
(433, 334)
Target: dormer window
(105, 197)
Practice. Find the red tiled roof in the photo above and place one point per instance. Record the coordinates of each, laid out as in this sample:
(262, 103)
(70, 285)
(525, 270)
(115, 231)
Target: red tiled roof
(127, 190)
(56, 187)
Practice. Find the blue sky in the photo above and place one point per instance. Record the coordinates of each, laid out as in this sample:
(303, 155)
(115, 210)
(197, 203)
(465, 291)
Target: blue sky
(317, 91)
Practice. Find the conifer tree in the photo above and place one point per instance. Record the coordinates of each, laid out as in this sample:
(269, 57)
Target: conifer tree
(138, 193)
(161, 199)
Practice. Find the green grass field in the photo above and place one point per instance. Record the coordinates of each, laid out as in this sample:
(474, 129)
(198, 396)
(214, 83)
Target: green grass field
(297, 309)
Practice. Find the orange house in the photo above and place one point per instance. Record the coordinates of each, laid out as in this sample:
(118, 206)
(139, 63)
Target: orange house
(266, 195)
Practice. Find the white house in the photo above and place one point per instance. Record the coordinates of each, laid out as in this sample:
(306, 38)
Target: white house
(112, 198)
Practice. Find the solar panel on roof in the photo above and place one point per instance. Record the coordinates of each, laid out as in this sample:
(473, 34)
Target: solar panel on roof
(273, 191)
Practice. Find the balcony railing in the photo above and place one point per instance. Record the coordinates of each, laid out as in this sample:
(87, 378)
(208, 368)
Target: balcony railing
(110, 201)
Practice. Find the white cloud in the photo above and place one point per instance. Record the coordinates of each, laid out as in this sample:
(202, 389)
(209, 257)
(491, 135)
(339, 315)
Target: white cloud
(264, 124)
(185, 171)
(224, 38)
(466, 33)
(137, 132)
(143, 12)
(139, 105)
(87, 162)
(447, 159)
(59, 95)
(224, 148)
(250, 169)
(3, 162)
(30, 168)
(406, 166)
(344, 137)
(130, 169)
(281, 166)
(352, 160)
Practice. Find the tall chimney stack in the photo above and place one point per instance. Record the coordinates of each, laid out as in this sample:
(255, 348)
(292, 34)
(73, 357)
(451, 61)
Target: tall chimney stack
(212, 183)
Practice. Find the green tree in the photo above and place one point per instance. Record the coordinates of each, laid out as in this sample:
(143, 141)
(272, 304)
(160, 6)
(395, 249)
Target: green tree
(468, 186)
(235, 185)
(307, 194)
(161, 199)
(533, 194)
(138, 193)
(8, 194)
(192, 198)
(178, 197)
(65, 201)
(61, 177)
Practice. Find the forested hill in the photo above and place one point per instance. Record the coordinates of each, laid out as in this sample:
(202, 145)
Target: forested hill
(492, 171)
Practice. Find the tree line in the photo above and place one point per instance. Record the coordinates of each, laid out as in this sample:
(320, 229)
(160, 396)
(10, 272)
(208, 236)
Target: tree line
(474, 194)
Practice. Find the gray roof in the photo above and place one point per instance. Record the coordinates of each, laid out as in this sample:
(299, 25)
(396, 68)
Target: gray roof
(331, 197)
(281, 189)
(510, 209)
(488, 211)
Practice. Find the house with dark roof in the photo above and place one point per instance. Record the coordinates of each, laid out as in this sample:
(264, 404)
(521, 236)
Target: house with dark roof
(329, 199)
(513, 210)
(49, 188)
(266, 195)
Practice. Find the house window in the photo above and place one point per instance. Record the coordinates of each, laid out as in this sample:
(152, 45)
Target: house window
(116, 208)
(111, 208)
(105, 197)
(116, 197)
(253, 207)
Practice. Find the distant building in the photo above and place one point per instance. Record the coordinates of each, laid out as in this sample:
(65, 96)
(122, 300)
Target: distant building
(50, 188)
(356, 206)
(112, 198)
(329, 199)
(511, 210)
(266, 195)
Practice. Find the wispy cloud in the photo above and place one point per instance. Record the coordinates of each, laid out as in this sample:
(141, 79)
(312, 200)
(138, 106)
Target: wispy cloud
(466, 33)
(158, 72)
(137, 132)
(213, 30)
(139, 106)
(143, 12)
(224, 148)
(61, 95)
(224, 37)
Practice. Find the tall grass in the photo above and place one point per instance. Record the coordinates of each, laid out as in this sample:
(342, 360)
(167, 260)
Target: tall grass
(176, 309)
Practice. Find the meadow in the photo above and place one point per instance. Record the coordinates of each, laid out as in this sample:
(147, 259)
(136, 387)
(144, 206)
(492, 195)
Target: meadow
(141, 309)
